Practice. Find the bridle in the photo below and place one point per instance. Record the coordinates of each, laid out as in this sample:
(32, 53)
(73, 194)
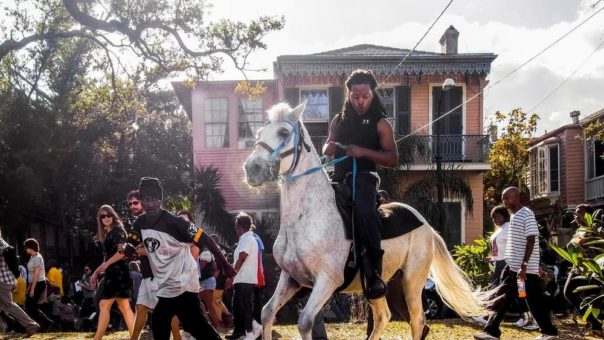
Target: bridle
(297, 134)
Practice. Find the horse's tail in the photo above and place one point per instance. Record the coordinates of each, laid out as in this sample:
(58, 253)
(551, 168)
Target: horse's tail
(453, 285)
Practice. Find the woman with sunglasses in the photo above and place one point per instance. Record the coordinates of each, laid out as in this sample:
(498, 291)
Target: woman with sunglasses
(117, 285)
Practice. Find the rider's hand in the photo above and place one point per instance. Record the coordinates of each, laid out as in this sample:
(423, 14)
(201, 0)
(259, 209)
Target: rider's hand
(329, 149)
(355, 151)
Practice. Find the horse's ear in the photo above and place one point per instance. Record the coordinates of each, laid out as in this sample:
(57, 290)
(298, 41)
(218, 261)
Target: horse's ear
(297, 112)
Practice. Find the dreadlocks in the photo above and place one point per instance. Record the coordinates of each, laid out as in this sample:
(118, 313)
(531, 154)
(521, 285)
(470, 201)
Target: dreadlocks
(358, 77)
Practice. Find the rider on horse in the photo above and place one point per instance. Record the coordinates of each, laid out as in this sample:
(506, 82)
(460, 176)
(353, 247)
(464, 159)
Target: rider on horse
(361, 131)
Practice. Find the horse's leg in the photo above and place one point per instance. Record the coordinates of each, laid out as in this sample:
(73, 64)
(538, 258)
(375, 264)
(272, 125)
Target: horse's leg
(286, 288)
(415, 273)
(321, 292)
(381, 317)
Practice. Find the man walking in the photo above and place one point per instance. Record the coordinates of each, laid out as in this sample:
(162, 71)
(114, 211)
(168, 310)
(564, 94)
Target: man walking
(166, 240)
(522, 258)
(146, 298)
(9, 266)
(246, 265)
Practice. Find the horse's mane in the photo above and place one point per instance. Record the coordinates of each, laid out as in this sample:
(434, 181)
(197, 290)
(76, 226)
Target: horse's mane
(279, 112)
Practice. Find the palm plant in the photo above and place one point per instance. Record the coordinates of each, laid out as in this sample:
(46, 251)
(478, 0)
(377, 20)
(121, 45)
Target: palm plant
(586, 254)
(210, 204)
(422, 194)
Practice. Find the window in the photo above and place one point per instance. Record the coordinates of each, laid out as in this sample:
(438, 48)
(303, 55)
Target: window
(317, 104)
(387, 95)
(250, 121)
(544, 170)
(216, 123)
(595, 162)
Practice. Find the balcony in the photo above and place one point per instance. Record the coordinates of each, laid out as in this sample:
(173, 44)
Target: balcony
(421, 149)
(594, 188)
(453, 148)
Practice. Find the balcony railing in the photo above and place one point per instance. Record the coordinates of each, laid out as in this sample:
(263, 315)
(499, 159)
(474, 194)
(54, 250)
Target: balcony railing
(421, 149)
(594, 188)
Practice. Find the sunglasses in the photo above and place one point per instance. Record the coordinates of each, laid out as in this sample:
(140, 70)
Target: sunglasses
(101, 216)
(134, 203)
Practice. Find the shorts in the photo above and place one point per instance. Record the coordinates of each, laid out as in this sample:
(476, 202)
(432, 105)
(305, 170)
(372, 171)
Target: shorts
(207, 284)
(147, 293)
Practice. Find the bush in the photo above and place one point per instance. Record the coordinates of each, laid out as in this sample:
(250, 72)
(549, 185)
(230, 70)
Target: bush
(471, 258)
(585, 253)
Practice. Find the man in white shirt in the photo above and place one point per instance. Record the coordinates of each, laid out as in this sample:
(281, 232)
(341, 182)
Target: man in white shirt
(246, 266)
(522, 258)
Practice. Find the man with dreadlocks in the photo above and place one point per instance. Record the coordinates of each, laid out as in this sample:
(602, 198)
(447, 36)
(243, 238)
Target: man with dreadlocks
(362, 132)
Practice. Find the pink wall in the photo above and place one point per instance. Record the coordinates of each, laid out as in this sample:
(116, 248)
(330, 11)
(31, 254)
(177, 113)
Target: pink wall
(238, 195)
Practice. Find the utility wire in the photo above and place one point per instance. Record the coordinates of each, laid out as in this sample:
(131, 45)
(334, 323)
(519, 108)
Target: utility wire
(569, 76)
(417, 44)
(507, 75)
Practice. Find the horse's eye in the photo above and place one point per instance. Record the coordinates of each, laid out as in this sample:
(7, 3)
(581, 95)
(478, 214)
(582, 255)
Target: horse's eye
(283, 133)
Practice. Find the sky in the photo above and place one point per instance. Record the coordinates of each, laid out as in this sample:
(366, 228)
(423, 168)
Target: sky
(515, 30)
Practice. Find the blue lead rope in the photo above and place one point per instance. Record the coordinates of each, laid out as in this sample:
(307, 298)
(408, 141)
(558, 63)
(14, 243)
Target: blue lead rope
(354, 178)
(290, 178)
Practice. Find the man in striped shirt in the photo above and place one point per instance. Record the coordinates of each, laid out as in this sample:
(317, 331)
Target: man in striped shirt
(522, 258)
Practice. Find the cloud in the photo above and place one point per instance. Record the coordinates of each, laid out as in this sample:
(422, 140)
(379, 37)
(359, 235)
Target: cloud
(515, 30)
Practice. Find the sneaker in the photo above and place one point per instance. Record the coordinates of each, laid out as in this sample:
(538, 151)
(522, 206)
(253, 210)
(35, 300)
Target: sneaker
(484, 336)
(257, 329)
(546, 337)
(533, 326)
(249, 336)
(480, 320)
(522, 322)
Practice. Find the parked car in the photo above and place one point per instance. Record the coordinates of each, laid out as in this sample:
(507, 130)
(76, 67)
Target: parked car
(434, 307)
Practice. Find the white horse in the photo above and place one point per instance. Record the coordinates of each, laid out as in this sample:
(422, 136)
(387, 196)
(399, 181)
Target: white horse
(311, 248)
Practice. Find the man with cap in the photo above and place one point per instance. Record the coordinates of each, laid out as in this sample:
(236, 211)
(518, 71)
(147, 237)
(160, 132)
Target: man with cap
(166, 239)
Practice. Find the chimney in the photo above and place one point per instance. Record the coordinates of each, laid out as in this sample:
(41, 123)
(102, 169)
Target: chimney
(448, 41)
(575, 116)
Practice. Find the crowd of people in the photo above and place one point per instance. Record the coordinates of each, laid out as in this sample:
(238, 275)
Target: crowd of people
(167, 266)
(163, 264)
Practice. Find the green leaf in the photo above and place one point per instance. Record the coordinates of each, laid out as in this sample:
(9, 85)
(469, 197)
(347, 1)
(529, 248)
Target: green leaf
(585, 288)
(563, 253)
(587, 312)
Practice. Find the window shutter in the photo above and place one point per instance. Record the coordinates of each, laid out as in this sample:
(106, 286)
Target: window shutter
(403, 109)
(336, 100)
(292, 96)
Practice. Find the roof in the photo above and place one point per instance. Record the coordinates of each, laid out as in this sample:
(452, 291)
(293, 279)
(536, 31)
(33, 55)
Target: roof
(382, 60)
(371, 50)
(592, 117)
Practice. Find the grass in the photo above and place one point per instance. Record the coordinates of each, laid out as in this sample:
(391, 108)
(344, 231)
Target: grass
(440, 329)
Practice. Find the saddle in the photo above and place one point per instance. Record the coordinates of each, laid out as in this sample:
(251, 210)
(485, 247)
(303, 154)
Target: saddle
(396, 221)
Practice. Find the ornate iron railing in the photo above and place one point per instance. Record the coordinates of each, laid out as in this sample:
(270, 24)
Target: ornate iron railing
(423, 149)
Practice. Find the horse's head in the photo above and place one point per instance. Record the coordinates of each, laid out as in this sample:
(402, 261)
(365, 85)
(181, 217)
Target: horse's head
(278, 145)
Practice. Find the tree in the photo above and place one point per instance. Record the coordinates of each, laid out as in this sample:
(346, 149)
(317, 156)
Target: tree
(161, 37)
(509, 154)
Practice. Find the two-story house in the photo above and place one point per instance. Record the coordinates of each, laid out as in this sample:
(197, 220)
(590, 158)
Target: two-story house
(224, 124)
(565, 170)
